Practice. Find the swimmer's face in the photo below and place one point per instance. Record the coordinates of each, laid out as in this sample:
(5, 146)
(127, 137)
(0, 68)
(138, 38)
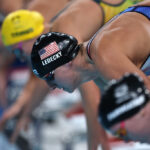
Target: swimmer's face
(64, 78)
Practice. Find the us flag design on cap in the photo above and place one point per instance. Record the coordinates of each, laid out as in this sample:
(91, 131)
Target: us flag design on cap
(49, 50)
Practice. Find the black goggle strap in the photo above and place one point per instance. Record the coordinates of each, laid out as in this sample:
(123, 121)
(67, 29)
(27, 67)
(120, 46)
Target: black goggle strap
(49, 76)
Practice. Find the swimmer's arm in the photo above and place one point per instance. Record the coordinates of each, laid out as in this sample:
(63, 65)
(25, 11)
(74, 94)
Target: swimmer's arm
(48, 8)
(120, 47)
(33, 93)
(7, 6)
(91, 99)
(76, 22)
(31, 96)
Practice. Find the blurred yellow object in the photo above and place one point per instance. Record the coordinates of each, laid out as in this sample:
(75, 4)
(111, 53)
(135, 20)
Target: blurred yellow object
(21, 25)
(110, 9)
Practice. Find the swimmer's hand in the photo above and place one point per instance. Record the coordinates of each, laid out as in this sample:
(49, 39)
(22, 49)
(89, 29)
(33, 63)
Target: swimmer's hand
(15, 111)
(122, 99)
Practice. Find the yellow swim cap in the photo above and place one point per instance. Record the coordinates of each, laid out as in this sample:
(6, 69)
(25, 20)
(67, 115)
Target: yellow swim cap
(21, 25)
